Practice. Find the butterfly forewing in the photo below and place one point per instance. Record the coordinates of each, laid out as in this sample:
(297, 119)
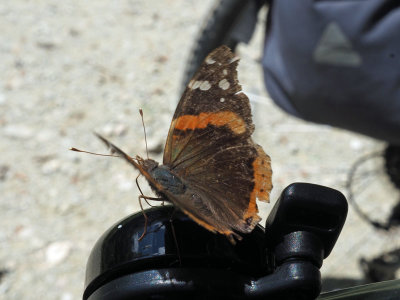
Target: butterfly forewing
(211, 98)
(209, 145)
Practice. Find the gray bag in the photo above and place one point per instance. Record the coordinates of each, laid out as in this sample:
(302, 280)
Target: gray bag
(337, 63)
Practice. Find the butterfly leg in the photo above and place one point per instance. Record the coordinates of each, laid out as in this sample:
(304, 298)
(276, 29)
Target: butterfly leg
(171, 221)
(143, 212)
(141, 206)
(146, 197)
(145, 218)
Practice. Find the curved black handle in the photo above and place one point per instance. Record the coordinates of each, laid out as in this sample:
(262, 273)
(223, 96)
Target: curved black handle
(301, 231)
(311, 208)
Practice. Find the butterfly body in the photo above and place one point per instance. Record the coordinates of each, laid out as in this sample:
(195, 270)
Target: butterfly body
(212, 170)
(167, 182)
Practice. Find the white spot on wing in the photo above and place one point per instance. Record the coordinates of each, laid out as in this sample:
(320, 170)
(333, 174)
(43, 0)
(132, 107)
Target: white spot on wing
(205, 86)
(225, 72)
(196, 84)
(233, 59)
(222, 100)
(224, 84)
(209, 61)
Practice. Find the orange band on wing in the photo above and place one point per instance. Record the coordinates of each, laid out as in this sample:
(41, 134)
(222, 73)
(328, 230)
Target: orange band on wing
(262, 182)
(230, 119)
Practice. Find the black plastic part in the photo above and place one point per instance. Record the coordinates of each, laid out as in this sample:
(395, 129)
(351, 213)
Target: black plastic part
(302, 244)
(119, 252)
(174, 283)
(300, 280)
(311, 208)
(178, 259)
(291, 280)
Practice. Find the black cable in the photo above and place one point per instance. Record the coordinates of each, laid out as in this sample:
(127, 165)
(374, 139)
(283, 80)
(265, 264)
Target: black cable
(357, 208)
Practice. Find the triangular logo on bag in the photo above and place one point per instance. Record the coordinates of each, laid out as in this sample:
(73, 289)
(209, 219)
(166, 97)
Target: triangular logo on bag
(334, 48)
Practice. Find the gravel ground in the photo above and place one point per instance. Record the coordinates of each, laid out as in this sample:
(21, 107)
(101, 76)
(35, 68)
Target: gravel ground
(72, 67)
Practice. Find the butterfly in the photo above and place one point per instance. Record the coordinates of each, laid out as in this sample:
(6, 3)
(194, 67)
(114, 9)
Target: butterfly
(212, 170)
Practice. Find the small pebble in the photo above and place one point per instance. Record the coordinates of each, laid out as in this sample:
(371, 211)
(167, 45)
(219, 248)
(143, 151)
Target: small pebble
(356, 144)
(123, 183)
(18, 131)
(57, 252)
(66, 296)
(115, 129)
(4, 169)
(51, 166)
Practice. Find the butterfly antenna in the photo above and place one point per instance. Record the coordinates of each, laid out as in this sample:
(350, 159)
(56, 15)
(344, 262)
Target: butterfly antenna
(93, 153)
(144, 130)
